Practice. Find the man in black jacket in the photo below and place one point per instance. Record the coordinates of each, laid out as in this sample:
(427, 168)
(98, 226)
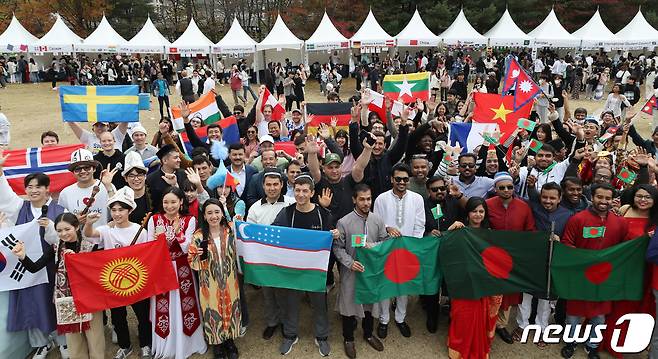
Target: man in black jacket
(631, 91)
(186, 88)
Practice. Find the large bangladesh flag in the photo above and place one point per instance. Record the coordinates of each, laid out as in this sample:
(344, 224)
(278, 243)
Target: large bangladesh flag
(614, 273)
(477, 262)
(399, 266)
(407, 87)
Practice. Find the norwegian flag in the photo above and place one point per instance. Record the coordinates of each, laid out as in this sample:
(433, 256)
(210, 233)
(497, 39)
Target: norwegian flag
(525, 88)
(649, 106)
(277, 110)
(52, 161)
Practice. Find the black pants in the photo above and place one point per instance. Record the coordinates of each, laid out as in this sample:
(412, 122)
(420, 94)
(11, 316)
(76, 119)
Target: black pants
(53, 84)
(560, 311)
(349, 326)
(165, 100)
(289, 100)
(431, 305)
(330, 269)
(120, 323)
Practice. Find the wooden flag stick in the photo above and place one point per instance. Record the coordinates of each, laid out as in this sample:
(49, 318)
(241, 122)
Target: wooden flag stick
(141, 228)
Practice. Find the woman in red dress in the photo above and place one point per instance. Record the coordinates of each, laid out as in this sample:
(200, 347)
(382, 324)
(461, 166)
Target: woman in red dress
(472, 321)
(642, 217)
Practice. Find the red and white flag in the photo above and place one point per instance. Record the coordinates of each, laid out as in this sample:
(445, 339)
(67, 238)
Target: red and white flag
(278, 112)
(649, 106)
(525, 88)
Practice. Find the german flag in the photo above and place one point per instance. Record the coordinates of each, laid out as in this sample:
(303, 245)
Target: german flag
(324, 112)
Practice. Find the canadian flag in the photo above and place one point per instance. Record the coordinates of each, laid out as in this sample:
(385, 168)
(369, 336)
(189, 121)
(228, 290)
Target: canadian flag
(278, 112)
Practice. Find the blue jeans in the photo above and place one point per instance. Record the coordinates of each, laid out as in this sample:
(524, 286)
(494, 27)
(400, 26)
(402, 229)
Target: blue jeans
(575, 320)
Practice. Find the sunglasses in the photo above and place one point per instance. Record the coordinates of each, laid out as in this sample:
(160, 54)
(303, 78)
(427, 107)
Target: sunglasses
(82, 168)
(467, 165)
(401, 179)
(237, 113)
(251, 131)
(439, 188)
(509, 188)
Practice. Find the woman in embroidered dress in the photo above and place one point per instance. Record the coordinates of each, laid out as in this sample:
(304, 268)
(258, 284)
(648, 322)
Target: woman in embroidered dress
(472, 321)
(85, 339)
(212, 253)
(175, 315)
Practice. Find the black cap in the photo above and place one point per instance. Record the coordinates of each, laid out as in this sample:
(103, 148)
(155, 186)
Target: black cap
(165, 150)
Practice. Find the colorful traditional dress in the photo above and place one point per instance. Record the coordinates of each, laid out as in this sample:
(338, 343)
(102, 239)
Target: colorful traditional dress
(218, 284)
(472, 327)
(175, 315)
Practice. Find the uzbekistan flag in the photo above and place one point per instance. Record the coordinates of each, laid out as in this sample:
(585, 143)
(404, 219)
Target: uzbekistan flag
(283, 257)
(205, 109)
(121, 276)
(99, 103)
(52, 161)
(407, 87)
(230, 133)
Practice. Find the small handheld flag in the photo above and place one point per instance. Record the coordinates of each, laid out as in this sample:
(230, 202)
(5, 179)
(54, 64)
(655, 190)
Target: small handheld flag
(437, 212)
(358, 240)
(649, 106)
(593, 232)
(526, 124)
(490, 139)
(626, 176)
(535, 145)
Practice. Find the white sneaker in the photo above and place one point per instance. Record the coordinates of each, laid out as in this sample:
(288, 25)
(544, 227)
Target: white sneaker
(42, 352)
(115, 339)
(146, 352)
(64, 350)
(123, 353)
(243, 331)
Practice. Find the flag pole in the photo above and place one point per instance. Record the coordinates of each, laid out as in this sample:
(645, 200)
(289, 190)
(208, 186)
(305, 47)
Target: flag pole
(550, 260)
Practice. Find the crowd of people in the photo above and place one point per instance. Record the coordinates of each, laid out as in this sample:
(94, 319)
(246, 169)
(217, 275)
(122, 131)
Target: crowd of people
(380, 176)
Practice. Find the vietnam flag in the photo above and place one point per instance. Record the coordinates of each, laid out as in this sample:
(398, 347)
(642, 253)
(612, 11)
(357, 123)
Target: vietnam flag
(118, 277)
(478, 263)
(407, 87)
(398, 266)
(492, 108)
(613, 273)
(525, 88)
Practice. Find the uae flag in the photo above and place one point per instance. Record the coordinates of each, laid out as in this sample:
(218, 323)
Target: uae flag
(492, 108)
(478, 263)
(399, 266)
(118, 277)
(614, 273)
(325, 112)
(407, 87)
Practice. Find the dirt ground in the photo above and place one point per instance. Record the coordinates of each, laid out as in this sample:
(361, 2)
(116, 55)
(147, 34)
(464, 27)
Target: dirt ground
(34, 108)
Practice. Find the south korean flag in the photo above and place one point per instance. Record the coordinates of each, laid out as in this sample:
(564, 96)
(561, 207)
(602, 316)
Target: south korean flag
(13, 275)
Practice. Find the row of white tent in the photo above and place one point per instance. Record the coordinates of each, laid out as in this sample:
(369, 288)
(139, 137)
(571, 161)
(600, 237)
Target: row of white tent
(550, 33)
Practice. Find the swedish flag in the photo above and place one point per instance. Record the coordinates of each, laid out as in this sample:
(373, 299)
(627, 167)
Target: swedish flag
(99, 103)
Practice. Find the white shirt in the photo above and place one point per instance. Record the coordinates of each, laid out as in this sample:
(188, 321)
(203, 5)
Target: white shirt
(539, 65)
(208, 85)
(11, 203)
(241, 175)
(554, 175)
(93, 143)
(116, 237)
(73, 198)
(407, 214)
(263, 212)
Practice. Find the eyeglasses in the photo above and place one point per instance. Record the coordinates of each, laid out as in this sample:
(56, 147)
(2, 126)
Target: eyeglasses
(82, 168)
(439, 188)
(602, 177)
(502, 188)
(135, 176)
(401, 179)
(467, 165)
(644, 197)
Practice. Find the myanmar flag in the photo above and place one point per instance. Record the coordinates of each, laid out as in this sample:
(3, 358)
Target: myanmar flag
(613, 273)
(407, 87)
(118, 277)
(478, 263)
(492, 108)
(324, 112)
(399, 266)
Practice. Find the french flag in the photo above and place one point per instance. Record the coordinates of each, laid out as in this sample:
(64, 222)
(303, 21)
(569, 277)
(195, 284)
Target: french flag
(469, 135)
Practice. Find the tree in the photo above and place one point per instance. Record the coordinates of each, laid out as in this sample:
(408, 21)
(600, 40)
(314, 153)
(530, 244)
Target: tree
(128, 16)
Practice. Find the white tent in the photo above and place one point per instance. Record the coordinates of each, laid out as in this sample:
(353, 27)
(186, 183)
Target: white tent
(461, 31)
(371, 34)
(236, 41)
(550, 33)
(416, 33)
(637, 34)
(16, 38)
(58, 39)
(507, 33)
(103, 39)
(147, 41)
(191, 42)
(326, 37)
(280, 37)
(595, 34)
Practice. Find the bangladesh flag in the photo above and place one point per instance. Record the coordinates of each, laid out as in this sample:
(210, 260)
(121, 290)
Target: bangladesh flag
(407, 87)
(614, 273)
(535, 145)
(626, 175)
(399, 266)
(479, 262)
(526, 124)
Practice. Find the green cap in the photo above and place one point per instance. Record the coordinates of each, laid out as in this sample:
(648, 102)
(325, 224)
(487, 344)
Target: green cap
(332, 157)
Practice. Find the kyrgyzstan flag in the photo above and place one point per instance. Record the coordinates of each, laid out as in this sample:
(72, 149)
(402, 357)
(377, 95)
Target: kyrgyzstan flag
(407, 87)
(478, 263)
(613, 273)
(492, 108)
(525, 88)
(118, 277)
(399, 266)
(325, 112)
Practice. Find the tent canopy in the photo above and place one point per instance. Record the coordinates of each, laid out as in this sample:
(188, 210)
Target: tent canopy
(637, 34)
(236, 41)
(595, 34)
(326, 37)
(280, 37)
(416, 33)
(103, 39)
(58, 39)
(371, 34)
(192, 41)
(147, 41)
(551, 33)
(507, 33)
(16, 38)
(461, 31)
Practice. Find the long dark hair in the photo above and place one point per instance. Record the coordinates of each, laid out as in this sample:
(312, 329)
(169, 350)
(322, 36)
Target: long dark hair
(472, 204)
(184, 209)
(653, 212)
(203, 223)
(71, 219)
